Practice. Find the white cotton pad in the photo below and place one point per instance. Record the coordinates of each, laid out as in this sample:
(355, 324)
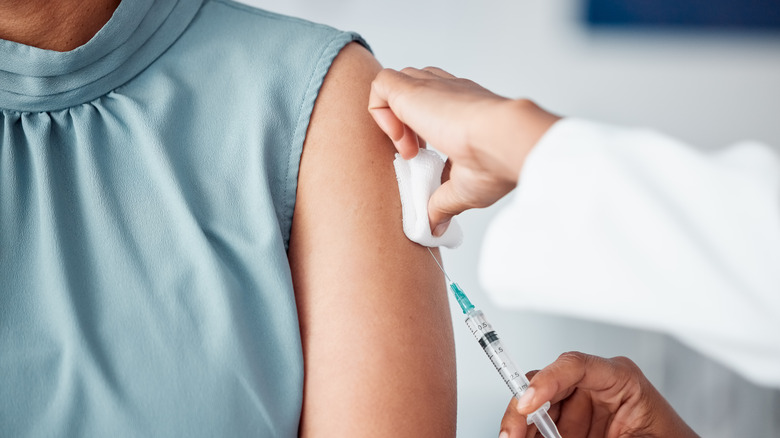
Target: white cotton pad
(418, 178)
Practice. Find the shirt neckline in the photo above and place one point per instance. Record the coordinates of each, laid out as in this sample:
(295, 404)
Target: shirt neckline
(139, 31)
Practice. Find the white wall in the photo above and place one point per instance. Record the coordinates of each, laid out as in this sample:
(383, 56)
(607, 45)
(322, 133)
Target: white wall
(705, 88)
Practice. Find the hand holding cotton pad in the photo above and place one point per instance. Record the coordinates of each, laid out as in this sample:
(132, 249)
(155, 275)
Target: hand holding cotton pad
(417, 179)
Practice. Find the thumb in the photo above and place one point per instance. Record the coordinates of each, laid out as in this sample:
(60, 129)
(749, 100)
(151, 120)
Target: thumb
(571, 370)
(443, 205)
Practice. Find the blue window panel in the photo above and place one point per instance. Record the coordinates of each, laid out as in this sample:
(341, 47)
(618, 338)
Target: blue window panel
(723, 14)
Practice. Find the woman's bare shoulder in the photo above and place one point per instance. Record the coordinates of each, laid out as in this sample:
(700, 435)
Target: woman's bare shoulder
(364, 292)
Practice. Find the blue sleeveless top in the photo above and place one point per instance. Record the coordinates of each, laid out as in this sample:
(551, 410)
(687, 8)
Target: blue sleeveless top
(147, 185)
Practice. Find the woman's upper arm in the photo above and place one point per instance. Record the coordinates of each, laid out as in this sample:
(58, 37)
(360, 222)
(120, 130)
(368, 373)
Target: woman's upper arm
(374, 316)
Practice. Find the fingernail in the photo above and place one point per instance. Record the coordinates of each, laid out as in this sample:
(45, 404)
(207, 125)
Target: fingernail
(525, 400)
(503, 434)
(441, 228)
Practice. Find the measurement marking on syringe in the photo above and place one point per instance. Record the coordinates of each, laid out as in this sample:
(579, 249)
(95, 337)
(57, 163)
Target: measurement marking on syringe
(491, 345)
(488, 339)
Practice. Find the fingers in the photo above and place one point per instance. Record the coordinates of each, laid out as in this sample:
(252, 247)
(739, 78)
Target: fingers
(388, 122)
(443, 205)
(513, 425)
(408, 144)
(405, 140)
(436, 71)
(427, 73)
(574, 417)
(386, 86)
(598, 397)
(431, 103)
(388, 108)
(570, 371)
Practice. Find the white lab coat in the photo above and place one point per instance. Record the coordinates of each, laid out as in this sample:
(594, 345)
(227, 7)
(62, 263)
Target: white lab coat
(632, 227)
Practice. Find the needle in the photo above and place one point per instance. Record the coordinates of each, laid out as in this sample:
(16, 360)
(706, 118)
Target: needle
(439, 265)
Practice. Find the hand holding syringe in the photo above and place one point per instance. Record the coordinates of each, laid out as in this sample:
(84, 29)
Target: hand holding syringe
(494, 348)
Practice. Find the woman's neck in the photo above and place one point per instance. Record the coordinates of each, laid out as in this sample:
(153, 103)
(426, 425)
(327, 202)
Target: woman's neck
(59, 25)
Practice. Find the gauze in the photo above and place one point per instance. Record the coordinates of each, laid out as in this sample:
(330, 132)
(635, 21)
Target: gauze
(418, 178)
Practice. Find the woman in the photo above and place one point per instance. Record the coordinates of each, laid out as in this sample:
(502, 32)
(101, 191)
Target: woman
(201, 233)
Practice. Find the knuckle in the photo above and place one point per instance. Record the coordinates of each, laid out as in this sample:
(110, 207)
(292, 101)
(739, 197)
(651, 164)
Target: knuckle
(385, 72)
(626, 364)
(467, 82)
(629, 376)
(408, 70)
(375, 84)
(573, 356)
(526, 104)
(629, 373)
(381, 75)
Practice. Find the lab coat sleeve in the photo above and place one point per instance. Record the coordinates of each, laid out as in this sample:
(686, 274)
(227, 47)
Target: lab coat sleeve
(631, 227)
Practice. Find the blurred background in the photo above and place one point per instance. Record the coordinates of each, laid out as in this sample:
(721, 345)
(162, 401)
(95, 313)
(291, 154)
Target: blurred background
(707, 77)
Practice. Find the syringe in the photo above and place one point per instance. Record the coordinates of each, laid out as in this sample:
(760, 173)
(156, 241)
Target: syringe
(494, 348)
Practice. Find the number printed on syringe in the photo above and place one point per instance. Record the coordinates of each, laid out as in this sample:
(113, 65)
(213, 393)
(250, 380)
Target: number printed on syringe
(488, 339)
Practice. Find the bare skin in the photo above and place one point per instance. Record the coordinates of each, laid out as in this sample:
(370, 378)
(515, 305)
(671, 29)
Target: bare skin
(59, 25)
(485, 136)
(594, 397)
(365, 293)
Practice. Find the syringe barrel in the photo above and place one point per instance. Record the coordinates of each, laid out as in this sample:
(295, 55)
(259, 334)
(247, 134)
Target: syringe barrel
(494, 348)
